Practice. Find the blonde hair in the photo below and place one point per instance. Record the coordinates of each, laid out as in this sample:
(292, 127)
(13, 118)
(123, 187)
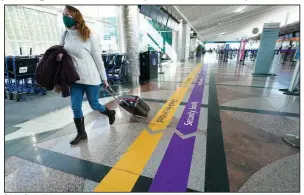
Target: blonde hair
(81, 26)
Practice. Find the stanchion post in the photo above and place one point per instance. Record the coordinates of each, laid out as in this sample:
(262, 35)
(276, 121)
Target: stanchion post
(161, 68)
(294, 82)
(295, 77)
(160, 64)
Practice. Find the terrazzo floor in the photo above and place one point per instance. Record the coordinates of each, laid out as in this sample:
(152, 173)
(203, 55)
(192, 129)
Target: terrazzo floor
(143, 155)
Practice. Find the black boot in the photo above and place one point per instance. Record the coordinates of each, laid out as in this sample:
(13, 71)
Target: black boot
(81, 134)
(110, 114)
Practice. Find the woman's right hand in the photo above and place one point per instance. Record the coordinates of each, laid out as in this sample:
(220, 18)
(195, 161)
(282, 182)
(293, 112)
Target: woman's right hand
(59, 56)
(106, 84)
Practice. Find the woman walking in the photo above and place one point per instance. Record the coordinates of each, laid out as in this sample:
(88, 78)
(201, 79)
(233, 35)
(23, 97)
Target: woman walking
(81, 45)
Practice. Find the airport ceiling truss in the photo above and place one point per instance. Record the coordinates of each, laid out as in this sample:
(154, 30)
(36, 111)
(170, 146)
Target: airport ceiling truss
(211, 22)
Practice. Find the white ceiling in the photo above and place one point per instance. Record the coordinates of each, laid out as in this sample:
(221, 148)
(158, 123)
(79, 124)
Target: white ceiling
(232, 21)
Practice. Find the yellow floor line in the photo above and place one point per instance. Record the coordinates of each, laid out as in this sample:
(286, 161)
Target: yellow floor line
(124, 174)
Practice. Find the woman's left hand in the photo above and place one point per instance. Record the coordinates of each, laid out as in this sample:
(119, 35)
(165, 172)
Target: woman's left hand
(106, 84)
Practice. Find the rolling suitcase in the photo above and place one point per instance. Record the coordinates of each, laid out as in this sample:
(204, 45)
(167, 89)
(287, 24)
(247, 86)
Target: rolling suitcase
(131, 103)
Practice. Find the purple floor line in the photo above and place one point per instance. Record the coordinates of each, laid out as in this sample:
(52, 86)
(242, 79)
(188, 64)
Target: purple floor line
(173, 172)
(189, 120)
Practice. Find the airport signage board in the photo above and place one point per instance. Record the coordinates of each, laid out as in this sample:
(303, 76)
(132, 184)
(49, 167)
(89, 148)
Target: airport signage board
(267, 44)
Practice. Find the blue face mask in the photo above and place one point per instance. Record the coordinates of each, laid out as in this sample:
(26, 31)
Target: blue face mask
(68, 21)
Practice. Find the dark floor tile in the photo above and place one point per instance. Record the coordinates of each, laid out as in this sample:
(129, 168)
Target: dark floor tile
(11, 129)
(248, 149)
(68, 164)
(190, 190)
(142, 185)
(216, 177)
(13, 147)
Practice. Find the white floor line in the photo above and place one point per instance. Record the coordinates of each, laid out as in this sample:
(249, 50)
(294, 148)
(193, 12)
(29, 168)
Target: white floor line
(50, 121)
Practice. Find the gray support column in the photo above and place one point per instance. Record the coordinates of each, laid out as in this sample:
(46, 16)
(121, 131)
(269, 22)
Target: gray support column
(174, 46)
(186, 40)
(193, 46)
(120, 30)
(130, 17)
(180, 46)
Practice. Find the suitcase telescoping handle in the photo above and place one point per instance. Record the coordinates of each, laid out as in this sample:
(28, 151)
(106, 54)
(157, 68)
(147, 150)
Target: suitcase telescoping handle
(114, 94)
(118, 99)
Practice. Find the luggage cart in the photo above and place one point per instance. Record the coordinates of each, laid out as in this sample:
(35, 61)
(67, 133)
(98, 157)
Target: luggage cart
(115, 68)
(19, 77)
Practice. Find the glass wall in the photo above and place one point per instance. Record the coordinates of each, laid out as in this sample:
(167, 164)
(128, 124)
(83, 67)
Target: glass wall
(110, 37)
(214, 46)
(39, 27)
(108, 15)
(28, 28)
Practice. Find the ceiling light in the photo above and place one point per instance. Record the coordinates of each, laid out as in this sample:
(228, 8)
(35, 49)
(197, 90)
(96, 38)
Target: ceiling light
(240, 9)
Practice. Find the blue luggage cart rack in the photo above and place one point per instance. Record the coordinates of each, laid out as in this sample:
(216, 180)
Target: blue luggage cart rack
(20, 77)
(115, 67)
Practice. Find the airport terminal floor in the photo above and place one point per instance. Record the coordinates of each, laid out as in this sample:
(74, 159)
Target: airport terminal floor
(236, 144)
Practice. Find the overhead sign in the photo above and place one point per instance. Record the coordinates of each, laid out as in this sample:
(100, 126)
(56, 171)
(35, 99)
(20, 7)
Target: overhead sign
(233, 41)
(271, 25)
